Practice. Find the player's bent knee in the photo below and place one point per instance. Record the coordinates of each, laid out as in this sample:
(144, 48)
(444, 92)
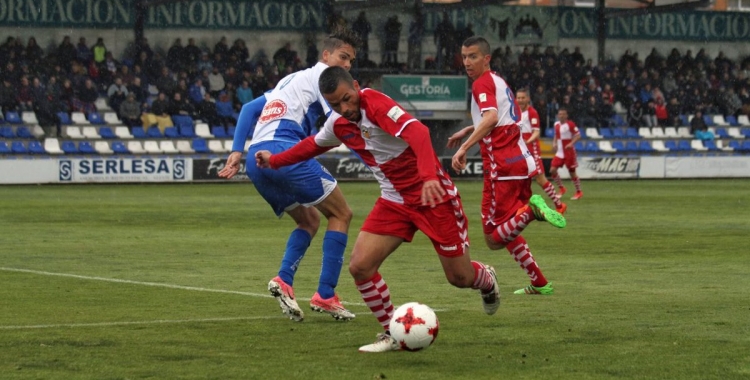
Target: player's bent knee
(459, 280)
(492, 244)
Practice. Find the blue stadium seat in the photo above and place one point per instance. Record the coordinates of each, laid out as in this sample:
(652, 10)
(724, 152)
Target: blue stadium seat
(230, 131)
(722, 133)
(219, 132)
(107, 133)
(154, 132)
(171, 132)
(18, 147)
(582, 132)
(86, 147)
(592, 146)
(139, 133)
(745, 146)
(580, 146)
(200, 146)
(709, 120)
(69, 147)
(671, 145)
(64, 118)
(4, 149)
(35, 147)
(710, 144)
(645, 146)
(24, 133)
(619, 121)
(684, 120)
(735, 144)
(182, 120)
(7, 132)
(119, 147)
(745, 132)
(618, 145)
(618, 133)
(187, 131)
(96, 119)
(13, 117)
(632, 133)
(731, 120)
(631, 146)
(684, 145)
(606, 133)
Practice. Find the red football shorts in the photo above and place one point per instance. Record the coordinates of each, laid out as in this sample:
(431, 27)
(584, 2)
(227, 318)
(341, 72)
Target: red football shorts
(501, 200)
(570, 161)
(445, 224)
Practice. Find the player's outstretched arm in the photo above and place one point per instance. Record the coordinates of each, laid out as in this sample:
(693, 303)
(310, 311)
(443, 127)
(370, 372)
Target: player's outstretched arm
(232, 167)
(302, 151)
(488, 122)
(455, 140)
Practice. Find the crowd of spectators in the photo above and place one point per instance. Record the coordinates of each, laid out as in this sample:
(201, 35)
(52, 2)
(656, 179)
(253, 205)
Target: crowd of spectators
(213, 83)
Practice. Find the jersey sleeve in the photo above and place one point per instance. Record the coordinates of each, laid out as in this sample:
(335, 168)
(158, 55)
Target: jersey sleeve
(302, 151)
(386, 113)
(483, 91)
(533, 118)
(557, 130)
(573, 128)
(249, 115)
(326, 137)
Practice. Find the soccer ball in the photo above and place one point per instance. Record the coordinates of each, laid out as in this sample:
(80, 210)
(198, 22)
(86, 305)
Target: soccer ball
(414, 326)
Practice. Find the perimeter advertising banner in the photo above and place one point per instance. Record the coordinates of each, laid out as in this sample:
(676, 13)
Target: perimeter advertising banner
(105, 169)
(428, 92)
(341, 167)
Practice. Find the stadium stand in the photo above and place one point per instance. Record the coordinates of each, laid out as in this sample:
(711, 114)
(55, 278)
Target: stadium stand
(102, 147)
(52, 146)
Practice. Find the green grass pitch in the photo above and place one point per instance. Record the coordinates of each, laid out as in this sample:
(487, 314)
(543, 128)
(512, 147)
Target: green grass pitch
(169, 282)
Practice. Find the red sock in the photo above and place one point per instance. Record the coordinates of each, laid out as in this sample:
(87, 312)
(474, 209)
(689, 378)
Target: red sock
(377, 297)
(550, 190)
(482, 278)
(558, 180)
(520, 252)
(506, 232)
(577, 182)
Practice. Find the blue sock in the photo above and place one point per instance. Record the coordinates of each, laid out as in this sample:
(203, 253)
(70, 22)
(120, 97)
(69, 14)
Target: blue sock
(296, 246)
(334, 245)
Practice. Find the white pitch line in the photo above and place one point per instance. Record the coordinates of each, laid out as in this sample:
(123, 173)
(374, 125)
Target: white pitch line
(128, 323)
(156, 284)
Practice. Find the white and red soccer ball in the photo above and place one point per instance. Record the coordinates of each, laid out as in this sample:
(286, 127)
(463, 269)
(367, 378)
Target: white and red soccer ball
(414, 326)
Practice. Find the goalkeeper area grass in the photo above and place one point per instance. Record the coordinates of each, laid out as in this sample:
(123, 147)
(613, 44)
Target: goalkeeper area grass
(169, 282)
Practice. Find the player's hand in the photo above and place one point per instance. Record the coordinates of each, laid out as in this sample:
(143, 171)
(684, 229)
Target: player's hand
(455, 140)
(432, 193)
(232, 167)
(569, 146)
(459, 160)
(263, 159)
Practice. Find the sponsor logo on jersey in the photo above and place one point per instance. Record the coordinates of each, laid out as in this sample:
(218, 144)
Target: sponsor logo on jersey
(451, 248)
(395, 113)
(482, 97)
(365, 132)
(273, 110)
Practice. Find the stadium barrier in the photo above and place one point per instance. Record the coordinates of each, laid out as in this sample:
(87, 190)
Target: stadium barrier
(344, 167)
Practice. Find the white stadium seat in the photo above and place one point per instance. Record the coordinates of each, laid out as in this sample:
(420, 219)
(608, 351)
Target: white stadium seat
(743, 120)
(593, 133)
(684, 132)
(657, 132)
(720, 145)
(123, 132)
(151, 147)
(719, 120)
(203, 130)
(228, 145)
(37, 131)
(52, 146)
(103, 147)
(29, 117)
(216, 146)
(658, 146)
(135, 147)
(697, 145)
(247, 144)
(645, 132)
(184, 147)
(101, 104)
(606, 146)
(735, 132)
(167, 146)
(670, 132)
(73, 132)
(112, 119)
(79, 118)
(90, 133)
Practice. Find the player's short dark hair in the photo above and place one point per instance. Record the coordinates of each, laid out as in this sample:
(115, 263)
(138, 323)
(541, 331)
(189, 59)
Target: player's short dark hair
(484, 46)
(524, 90)
(562, 109)
(341, 37)
(331, 77)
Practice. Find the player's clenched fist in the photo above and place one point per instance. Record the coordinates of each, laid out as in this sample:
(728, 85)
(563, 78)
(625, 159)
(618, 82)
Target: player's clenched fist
(263, 158)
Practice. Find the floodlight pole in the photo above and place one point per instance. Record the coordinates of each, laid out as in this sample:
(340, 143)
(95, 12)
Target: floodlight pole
(601, 30)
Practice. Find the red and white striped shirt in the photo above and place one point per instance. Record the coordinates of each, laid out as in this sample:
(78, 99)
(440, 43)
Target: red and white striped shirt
(564, 133)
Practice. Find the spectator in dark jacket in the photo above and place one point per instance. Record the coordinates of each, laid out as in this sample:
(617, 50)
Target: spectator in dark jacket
(130, 111)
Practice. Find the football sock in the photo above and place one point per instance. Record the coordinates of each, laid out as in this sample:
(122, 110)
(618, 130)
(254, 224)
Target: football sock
(521, 253)
(577, 182)
(550, 190)
(482, 277)
(334, 244)
(296, 246)
(558, 180)
(506, 232)
(377, 297)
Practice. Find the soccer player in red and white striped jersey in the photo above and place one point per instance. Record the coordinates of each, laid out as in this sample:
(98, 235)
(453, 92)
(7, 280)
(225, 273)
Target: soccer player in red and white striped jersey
(566, 136)
(507, 202)
(530, 133)
(415, 194)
